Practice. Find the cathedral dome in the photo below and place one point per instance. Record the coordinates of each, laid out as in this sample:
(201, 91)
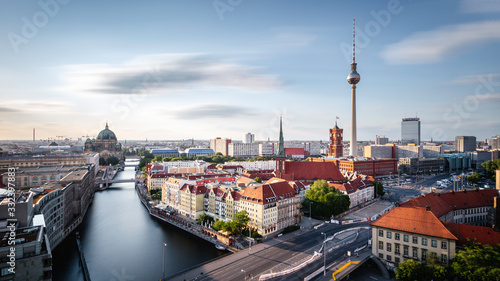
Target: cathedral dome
(106, 134)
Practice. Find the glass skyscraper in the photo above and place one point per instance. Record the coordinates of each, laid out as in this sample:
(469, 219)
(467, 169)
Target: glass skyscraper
(410, 131)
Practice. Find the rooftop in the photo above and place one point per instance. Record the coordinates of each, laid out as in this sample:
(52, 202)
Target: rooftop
(414, 220)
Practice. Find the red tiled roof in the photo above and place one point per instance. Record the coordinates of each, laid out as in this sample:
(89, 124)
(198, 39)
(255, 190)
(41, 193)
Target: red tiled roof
(268, 193)
(352, 186)
(443, 203)
(196, 189)
(311, 171)
(482, 234)
(414, 220)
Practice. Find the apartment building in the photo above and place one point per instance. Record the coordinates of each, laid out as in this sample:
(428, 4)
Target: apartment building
(411, 233)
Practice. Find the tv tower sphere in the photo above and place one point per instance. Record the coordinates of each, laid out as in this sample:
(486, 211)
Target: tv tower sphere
(353, 77)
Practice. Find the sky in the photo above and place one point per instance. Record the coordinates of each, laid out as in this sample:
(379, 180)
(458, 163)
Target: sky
(181, 69)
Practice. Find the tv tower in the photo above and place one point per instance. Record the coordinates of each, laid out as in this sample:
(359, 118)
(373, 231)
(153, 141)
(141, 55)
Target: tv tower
(353, 79)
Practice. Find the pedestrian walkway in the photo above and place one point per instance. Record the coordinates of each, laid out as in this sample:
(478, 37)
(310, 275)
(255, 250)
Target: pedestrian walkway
(342, 268)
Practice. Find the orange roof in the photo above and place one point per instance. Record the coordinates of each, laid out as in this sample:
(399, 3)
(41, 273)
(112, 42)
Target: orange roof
(312, 171)
(352, 186)
(268, 193)
(482, 234)
(414, 220)
(443, 203)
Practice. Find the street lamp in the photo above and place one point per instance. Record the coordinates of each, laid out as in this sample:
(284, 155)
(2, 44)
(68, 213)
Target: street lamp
(164, 246)
(310, 203)
(324, 254)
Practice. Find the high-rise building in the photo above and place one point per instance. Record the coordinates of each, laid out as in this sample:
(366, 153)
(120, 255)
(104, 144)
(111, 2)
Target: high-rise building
(410, 131)
(353, 79)
(495, 142)
(335, 146)
(381, 140)
(465, 143)
(220, 145)
(249, 138)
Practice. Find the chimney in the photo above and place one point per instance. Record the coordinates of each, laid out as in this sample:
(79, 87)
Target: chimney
(427, 208)
(496, 214)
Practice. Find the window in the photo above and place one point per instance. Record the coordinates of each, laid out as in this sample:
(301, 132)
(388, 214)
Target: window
(381, 233)
(424, 241)
(396, 249)
(389, 234)
(415, 240)
(405, 249)
(443, 245)
(434, 243)
(396, 236)
(397, 259)
(389, 258)
(380, 255)
(389, 247)
(405, 238)
(380, 245)
(415, 252)
(443, 258)
(424, 254)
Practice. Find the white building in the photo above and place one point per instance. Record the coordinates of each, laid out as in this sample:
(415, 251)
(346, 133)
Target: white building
(243, 150)
(254, 165)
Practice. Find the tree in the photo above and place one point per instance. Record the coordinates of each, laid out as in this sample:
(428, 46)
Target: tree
(491, 167)
(474, 178)
(409, 270)
(240, 221)
(102, 161)
(326, 201)
(379, 188)
(257, 179)
(204, 218)
(218, 225)
(478, 262)
(112, 160)
(158, 158)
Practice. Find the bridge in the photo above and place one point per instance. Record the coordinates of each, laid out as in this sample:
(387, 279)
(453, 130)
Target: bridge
(116, 181)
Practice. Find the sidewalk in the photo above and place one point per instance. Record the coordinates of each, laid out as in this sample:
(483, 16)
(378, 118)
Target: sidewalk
(345, 266)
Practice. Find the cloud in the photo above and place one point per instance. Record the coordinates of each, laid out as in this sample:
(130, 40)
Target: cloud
(213, 111)
(8, 109)
(489, 78)
(433, 46)
(166, 73)
(480, 6)
(26, 106)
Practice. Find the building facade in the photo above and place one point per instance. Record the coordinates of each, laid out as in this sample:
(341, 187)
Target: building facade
(465, 143)
(219, 145)
(106, 144)
(410, 131)
(336, 148)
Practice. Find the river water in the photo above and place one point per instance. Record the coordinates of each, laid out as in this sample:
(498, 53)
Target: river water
(122, 242)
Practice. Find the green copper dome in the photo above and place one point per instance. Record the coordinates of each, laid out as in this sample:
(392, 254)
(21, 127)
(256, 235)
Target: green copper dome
(106, 134)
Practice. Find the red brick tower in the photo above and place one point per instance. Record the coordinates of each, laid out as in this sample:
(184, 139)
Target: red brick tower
(336, 148)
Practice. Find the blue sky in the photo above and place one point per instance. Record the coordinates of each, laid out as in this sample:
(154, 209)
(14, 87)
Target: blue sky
(202, 69)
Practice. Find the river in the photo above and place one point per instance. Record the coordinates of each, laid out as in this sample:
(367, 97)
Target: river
(122, 242)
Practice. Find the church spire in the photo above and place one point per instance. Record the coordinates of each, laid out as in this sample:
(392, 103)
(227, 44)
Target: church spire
(107, 127)
(281, 145)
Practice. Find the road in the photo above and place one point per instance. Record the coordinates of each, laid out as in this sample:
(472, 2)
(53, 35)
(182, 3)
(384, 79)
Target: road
(263, 261)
